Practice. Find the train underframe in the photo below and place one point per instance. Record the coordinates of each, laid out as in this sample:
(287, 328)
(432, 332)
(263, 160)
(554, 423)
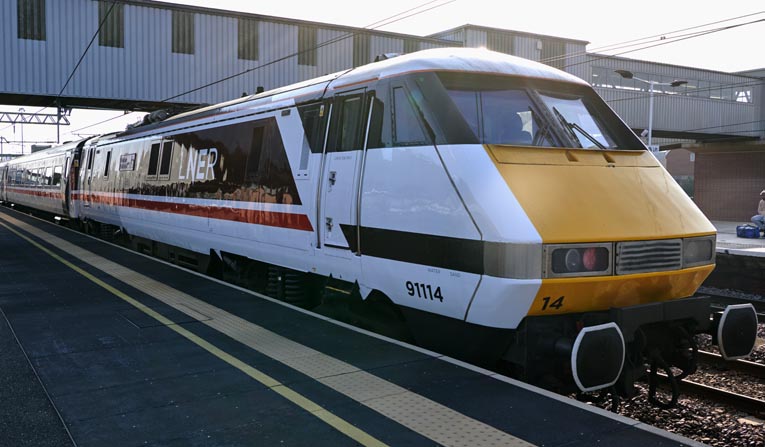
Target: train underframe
(656, 337)
(545, 351)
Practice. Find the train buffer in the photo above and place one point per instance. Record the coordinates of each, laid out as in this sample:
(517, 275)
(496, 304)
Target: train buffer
(126, 350)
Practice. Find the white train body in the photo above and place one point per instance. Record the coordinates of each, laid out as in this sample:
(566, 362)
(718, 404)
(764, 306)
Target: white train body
(403, 177)
(39, 181)
(406, 190)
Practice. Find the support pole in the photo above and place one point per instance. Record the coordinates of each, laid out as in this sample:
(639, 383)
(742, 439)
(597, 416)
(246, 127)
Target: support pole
(650, 115)
(58, 124)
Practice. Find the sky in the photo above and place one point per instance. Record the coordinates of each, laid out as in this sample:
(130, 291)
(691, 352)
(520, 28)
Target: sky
(600, 23)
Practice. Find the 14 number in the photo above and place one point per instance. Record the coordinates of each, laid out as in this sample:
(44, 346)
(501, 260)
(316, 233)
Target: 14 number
(557, 304)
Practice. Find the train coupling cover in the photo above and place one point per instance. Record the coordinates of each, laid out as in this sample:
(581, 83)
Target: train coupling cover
(597, 357)
(735, 330)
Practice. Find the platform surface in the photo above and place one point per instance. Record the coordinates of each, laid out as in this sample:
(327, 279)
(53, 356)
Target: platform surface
(729, 243)
(132, 351)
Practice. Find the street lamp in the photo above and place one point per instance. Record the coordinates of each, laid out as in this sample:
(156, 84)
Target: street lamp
(21, 117)
(626, 74)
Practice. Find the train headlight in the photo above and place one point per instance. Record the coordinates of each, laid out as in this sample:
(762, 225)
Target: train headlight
(698, 251)
(578, 260)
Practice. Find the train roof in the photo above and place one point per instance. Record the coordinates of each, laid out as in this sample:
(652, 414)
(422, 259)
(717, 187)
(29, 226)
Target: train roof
(469, 60)
(439, 59)
(472, 60)
(45, 153)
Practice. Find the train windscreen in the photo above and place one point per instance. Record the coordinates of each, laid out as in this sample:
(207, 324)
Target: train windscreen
(532, 112)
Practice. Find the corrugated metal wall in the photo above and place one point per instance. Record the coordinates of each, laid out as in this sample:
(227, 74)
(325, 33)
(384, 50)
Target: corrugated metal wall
(575, 60)
(700, 109)
(571, 55)
(146, 68)
(455, 35)
(682, 113)
(527, 47)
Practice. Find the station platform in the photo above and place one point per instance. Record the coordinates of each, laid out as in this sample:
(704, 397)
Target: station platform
(730, 244)
(110, 347)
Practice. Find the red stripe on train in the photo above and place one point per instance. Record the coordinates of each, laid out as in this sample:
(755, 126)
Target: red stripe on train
(269, 218)
(52, 195)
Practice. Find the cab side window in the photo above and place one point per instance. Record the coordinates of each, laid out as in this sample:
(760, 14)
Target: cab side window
(407, 130)
(167, 156)
(153, 159)
(348, 123)
(57, 175)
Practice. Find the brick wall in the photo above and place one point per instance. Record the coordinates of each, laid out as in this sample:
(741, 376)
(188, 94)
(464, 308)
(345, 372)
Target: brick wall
(727, 185)
(679, 163)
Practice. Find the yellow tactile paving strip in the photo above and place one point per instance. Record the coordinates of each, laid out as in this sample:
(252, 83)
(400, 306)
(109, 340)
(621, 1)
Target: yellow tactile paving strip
(424, 416)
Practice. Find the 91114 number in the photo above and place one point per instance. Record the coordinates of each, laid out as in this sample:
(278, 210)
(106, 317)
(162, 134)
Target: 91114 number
(425, 291)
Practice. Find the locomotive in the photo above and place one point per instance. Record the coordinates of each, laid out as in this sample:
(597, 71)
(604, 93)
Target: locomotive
(485, 206)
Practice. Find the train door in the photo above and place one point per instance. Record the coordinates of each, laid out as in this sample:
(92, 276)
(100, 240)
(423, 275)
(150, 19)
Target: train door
(342, 171)
(61, 174)
(3, 181)
(87, 177)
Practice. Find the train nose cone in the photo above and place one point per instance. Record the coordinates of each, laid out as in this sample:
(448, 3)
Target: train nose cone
(597, 357)
(737, 331)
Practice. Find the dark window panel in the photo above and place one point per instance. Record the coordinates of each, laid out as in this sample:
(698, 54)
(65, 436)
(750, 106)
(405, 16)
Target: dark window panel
(499, 41)
(376, 124)
(183, 32)
(360, 49)
(248, 39)
(314, 125)
(410, 46)
(31, 19)
(406, 126)
(153, 159)
(167, 152)
(553, 52)
(57, 175)
(111, 17)
(108, 162)
(307, 45)
(350, 125)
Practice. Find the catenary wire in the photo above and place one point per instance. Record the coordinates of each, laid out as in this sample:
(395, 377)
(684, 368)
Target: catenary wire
(607, 47)
(661, 93)
(662, 36)
(79, 62)
(323, 44)
(374, 25)
(726, 125)
(665, 42)
(90, 44)
(397, 17)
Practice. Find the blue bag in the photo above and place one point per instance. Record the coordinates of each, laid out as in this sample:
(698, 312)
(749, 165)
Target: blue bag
(747, 231)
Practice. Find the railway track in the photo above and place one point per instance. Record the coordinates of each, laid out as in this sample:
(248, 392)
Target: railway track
(745, 367)
(720, 301)
(740, 402)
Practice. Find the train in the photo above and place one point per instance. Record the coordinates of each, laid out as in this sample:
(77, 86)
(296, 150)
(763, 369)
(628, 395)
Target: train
(485, 206)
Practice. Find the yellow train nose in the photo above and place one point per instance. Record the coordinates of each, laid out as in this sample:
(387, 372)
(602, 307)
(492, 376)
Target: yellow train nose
(574, 195)
(588, 196)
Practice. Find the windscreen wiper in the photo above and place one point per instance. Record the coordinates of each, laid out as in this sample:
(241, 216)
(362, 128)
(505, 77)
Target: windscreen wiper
(544, 132)
(570, 127)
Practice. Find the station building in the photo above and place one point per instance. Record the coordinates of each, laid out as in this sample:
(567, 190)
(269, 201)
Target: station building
(148, 55)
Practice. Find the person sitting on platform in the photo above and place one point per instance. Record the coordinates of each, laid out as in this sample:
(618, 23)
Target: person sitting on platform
(759, 219)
